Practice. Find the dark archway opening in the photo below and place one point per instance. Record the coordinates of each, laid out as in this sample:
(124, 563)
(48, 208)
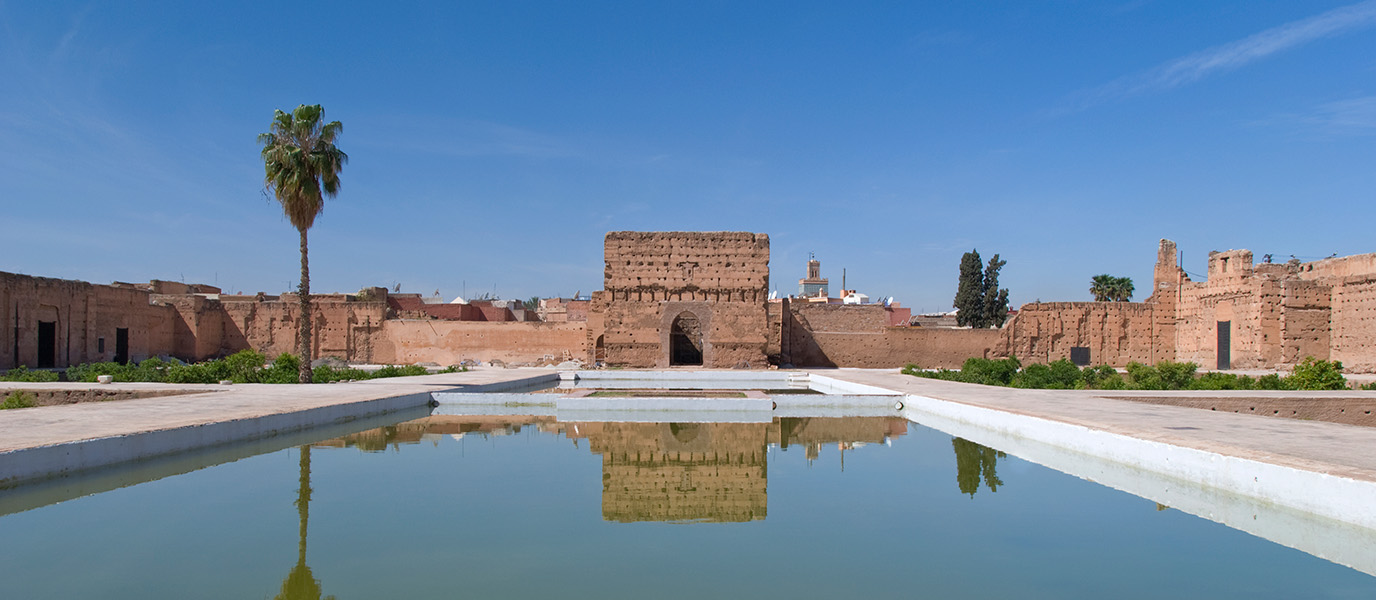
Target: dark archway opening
(47, 344)
(685, 340)
(599, 351)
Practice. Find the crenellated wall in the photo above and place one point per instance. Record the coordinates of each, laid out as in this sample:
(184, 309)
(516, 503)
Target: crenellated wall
(706, 290)
(1116, 333)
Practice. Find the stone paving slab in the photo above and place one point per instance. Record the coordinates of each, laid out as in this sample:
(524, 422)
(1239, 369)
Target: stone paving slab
(1331, 448)
(50, 425)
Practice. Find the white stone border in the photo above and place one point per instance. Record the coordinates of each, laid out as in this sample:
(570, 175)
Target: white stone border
(1338, 498)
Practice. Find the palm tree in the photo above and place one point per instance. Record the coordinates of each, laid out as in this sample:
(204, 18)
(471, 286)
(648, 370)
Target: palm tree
(301, 166)
(1107, 288)
(1122, 289)
(300, 583)
(1102, 287)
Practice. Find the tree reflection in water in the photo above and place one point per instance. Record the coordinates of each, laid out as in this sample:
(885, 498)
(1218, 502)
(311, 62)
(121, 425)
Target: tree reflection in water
(974, 461)
(300, 583)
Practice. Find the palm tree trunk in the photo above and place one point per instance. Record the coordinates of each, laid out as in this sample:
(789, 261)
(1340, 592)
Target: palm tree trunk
(304, 375)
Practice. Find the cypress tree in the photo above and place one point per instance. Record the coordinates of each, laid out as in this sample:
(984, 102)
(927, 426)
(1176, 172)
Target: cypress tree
(969, 300)
(995, 309)
(978, 298)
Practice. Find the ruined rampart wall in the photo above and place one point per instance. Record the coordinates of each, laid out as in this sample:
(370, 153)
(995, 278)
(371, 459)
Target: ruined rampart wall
(837, 335)
(82, 315)
(452, 342)
(1353, 326)
(1357, 265)
(1116, 333)
(1305, 312)
(717, 280)
(341, 326)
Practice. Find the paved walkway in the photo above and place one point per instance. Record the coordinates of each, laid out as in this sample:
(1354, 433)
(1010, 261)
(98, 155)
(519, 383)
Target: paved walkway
(1332, 448)
(49, 425)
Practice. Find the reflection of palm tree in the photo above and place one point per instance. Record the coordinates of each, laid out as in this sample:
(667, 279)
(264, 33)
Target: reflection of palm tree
(974, 461)
(300, 583)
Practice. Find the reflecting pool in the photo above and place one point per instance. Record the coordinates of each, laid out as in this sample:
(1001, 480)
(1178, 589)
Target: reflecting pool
(533, 507)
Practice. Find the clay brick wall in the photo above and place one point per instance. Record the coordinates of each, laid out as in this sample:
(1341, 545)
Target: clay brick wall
(1116, 333)
(652, 278)
(451, 342)
(838, 335)
(83, 313)
(342, 326)
(1353, 327)
(1304, 315)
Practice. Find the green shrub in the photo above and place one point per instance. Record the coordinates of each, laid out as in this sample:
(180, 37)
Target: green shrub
(18, 399)
(1102, 377)
(991, 372)
(399, 371)
(1223, 381)
(284, 369)
(1312, 374)
(243, 366)
(1166, 375)
(1270, 381)
(22, 373)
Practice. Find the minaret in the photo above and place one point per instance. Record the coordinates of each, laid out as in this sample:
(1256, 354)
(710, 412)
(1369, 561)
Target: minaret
(814, 285)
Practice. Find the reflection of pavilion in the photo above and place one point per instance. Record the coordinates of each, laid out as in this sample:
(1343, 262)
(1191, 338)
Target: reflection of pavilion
(680, 471)
(713, 472)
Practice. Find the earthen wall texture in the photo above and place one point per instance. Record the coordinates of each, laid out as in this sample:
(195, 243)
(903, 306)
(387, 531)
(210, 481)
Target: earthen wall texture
(1115, 332)
(720, 279)
(839, 335)
(452, 342)
(82, 314)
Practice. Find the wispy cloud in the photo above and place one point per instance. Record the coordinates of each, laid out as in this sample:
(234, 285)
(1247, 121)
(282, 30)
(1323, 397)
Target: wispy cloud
(1353, 116)
(1233, 55)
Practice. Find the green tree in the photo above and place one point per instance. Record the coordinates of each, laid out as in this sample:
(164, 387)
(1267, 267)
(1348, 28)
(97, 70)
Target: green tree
(1101, 286)
(969, 302)
(995, 299)
(1314, 374)
(301, 167)
(532, 304)
(1107, 288)
(979, 302)
(973, 462)
(1122, 289)
(300, 583)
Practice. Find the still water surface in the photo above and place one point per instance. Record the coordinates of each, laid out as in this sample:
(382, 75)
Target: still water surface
(527, 507)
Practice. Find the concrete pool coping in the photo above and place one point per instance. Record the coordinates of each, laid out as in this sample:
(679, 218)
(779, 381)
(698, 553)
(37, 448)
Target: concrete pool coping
(1328, 468)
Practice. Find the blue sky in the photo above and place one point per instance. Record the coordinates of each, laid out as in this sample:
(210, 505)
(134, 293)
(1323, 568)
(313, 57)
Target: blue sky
(492, 145)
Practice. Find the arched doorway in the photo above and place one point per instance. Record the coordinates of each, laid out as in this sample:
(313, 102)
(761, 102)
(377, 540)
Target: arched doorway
(685, 340)
(599, 351)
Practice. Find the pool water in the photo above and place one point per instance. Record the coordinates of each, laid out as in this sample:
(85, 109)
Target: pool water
(531, 507)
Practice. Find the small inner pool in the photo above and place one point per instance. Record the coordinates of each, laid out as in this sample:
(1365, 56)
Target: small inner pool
(537, 506)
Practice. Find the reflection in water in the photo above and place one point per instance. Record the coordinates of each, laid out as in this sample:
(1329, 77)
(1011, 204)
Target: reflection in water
(708, 472)
(300, 583)
(974, 461)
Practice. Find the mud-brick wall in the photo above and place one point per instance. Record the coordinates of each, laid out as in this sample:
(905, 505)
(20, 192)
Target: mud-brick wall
(837, 335)
(1116, 333)
(404, 341)
(1354, 323)
(341, 326)
(1306, 309)
(83, 315)
(895, 347)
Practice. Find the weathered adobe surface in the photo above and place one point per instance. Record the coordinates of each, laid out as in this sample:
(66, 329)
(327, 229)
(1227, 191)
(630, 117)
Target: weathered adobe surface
(54, 397)
(718, 279)
(1351, 411)
(805, 334)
